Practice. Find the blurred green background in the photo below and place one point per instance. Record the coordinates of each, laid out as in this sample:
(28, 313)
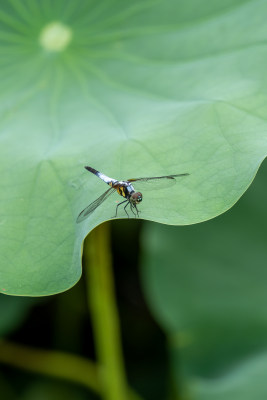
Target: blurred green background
(192, 306)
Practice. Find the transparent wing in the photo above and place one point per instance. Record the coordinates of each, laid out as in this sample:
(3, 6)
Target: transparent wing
(157, 182)
(89, 209)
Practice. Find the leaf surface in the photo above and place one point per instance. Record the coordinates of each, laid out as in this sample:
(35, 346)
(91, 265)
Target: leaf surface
(137, 89)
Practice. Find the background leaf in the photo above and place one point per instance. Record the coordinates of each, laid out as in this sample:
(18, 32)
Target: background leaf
(133, 89)
(207, 287)
(13, 311)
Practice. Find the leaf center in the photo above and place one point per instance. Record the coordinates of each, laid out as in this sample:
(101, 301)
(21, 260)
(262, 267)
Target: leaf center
(55, 36)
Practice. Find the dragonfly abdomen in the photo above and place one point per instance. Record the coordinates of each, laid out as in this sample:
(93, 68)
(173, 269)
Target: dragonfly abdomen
(104, 177)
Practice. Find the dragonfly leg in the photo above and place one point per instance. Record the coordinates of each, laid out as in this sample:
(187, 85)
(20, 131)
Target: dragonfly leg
(125, 209)
(133, 207)
(137, 210)
(118, 206)
(132, 210)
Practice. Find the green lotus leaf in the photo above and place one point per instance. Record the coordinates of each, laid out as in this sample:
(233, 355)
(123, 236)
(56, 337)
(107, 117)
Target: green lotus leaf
(147, 88)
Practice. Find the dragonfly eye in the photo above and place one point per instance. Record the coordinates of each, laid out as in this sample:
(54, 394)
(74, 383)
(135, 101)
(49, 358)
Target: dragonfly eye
(137, 197)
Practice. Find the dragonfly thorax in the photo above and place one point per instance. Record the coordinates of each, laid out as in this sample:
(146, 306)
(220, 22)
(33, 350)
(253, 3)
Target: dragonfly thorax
(124, 189)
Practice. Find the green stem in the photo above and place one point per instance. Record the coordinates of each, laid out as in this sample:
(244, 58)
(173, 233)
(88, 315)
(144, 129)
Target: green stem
(101, 299)
(52, 363)
(55, 364)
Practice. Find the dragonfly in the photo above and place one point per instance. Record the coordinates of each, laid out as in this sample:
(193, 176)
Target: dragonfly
(126, 190)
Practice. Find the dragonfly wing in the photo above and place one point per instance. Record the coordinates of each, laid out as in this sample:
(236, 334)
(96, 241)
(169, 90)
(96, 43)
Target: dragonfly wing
(89, 209)
(157, 182)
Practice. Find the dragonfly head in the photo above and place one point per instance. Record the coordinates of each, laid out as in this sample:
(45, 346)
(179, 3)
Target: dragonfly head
(136, 197)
